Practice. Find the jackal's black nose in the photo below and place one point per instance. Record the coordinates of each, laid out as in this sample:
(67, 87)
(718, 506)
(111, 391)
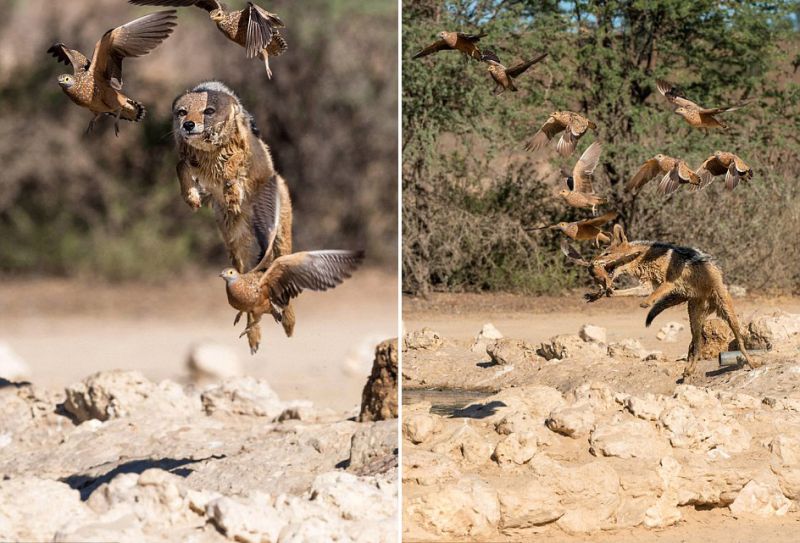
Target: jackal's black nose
(188, 126)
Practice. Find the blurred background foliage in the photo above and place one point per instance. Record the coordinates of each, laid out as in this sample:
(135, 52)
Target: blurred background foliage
(470, 190)
(106, 207)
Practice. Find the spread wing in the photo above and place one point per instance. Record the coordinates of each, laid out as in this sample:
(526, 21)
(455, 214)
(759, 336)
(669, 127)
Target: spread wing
(674, 95)
(578, 125)
(208, 5)
(715, 110)
(278, 45)
(709, 169)
(601, 220)
(679, 174)
(737, 171)
(69, 56)
(518, 69)
(266, 219)
(289, 275)
(584, 168)
(439, 45)
(261, 25)
(489, 55)
(550, 128)
(133, 39)
(572, 253)
(646, 172)
(471, 37)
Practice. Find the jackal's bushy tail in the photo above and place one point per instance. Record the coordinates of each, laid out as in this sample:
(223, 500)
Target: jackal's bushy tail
(670, 300)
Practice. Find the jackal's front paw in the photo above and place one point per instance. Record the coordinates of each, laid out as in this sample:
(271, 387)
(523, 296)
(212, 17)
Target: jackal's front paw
(193, 198)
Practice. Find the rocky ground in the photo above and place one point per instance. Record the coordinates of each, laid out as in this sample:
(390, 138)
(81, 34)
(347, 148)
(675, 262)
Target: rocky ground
(585, 436)
(116, 457)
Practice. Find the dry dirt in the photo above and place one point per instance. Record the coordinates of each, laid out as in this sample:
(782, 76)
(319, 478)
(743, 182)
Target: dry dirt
(561, 450)
(68, 329)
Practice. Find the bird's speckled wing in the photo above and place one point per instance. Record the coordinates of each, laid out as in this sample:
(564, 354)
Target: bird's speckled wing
(709, 169)
(572, 253)
(289, 275)
(550, 128)
(488, 54)
(132, 39)
(646, 172)
(208, 5)
(439, 45)
(266, 219)
(674, 95)
(69, 56)
(261, 25)
(584, 168)
(601, 220)
(518, 69)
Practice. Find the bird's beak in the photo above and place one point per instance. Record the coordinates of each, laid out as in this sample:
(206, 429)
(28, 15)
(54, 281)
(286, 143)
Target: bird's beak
(221, 274)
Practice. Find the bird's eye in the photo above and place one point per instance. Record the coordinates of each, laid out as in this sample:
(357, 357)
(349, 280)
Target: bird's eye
(209, 111)
(181, 113)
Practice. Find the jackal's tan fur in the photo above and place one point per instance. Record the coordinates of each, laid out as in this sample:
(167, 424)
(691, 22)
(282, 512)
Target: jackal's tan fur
(222, 161)
(677, 275)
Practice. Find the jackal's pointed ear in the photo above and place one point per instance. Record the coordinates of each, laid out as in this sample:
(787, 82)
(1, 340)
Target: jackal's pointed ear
(618, 235)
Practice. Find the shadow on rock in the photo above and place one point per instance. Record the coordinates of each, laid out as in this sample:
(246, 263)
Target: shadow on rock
(86, 484)
(478, 410)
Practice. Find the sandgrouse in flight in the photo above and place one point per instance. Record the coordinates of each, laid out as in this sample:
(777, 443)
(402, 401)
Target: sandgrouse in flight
(675, 173)
(466, 43)
(271, 284)
(504, 77)
(96, 84)
(572, 124)
(695, 115)
(723, 163)
(579, 192)
(254, 28)
(588, 229)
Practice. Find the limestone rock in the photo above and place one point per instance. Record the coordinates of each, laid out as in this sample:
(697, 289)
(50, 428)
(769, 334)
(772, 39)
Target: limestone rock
(568, 346)
(515, 449)
(627, 438)
(717, 336)
(466, 508)
(573, 421)
(648, 407)
(418, 427)
(511, 352)
(627, 348)
(243, 396)
(485, 337)
(117, 393)
(213, 362)
(785, 463)
(669, 332)
(379, 398)
(762, 499)
(253, 521)
(425, 339)
(769, 331)
(12, 366)
(427, 468)
(374, 447)
(592, 333)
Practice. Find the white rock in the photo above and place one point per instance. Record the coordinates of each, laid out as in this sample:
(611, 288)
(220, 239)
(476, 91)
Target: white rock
(213, 362)
(485, 337)
(648, 407)
(515, 449)
(568, 346)
(785, 463)
(592, 333)
(425, 339)
(243, 396)
(631, 438)
(466, 508)
(669, 332)
(418, 427)
(627, 348)
(12, 366)
(354, 498)
(253, 521)
(762, 499)
(574, 421)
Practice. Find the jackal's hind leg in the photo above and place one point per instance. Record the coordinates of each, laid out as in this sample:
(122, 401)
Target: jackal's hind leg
(698, 311)
(724, 308)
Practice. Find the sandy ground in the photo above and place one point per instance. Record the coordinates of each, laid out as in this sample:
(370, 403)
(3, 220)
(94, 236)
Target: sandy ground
(66, 330)
(461, 316)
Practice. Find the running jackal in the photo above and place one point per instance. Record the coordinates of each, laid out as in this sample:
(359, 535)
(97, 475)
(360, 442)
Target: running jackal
(677, 275)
